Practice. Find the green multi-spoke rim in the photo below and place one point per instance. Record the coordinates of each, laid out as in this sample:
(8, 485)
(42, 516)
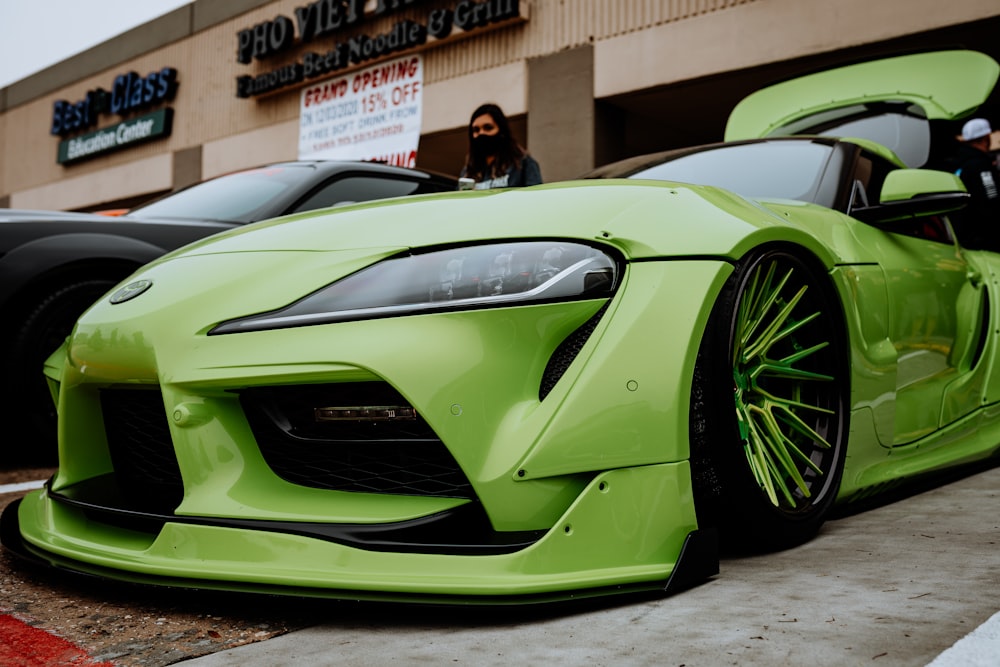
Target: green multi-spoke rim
(784, 383)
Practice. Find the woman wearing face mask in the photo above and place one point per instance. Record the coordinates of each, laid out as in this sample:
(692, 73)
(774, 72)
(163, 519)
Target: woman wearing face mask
(495, 159)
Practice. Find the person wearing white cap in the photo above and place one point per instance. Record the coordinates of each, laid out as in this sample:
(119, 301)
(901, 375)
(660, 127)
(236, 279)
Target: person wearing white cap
(977, 130)
(979, 224)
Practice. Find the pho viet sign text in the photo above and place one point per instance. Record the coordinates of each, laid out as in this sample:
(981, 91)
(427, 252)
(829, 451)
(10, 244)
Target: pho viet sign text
(325, 18)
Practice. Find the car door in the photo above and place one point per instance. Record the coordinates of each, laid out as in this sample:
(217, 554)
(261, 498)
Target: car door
(936, 304)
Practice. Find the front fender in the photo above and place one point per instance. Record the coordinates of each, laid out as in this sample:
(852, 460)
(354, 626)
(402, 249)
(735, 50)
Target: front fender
(625, 401)
(26, 263)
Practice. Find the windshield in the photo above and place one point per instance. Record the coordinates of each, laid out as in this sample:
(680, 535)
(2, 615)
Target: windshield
(245, 196)
(764, 170)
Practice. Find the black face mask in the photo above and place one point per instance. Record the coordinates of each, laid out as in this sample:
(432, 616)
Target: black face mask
(485, 145)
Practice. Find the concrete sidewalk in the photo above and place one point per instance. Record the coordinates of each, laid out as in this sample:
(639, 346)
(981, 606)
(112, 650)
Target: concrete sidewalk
(896, 585)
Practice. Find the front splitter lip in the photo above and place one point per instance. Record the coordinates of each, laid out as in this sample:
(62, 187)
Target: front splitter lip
(698, 563)
(630, 530)
(463, 529)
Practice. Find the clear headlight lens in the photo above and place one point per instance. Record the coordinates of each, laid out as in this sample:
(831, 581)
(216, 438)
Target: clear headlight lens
(465, 278)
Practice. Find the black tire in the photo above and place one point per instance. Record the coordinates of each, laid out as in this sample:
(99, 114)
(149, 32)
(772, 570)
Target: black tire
(43, 330)
(769, 407)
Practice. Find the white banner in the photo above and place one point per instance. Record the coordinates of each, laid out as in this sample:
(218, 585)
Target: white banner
(370, 114)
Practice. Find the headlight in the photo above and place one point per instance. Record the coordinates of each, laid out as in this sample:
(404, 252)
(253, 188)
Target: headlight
(465, 278)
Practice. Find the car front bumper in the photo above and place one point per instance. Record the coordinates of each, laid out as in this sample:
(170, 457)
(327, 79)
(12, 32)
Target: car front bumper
(630, 529)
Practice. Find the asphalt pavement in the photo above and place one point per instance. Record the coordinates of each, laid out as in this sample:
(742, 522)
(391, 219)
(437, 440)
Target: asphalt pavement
(911, 582)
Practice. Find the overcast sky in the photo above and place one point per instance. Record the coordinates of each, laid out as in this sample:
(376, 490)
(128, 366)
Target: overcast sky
(37, 33)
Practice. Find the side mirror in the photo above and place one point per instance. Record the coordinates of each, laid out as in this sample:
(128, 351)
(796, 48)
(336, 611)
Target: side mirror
(910, 193)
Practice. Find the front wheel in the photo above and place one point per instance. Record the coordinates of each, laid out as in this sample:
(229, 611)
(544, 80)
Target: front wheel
(770, 403)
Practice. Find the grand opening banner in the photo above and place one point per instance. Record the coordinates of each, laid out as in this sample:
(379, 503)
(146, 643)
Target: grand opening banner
(369, 114)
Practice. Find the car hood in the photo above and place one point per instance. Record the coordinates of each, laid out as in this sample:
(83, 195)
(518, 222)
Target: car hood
(945, 84)
(641, 218)
(268, 265)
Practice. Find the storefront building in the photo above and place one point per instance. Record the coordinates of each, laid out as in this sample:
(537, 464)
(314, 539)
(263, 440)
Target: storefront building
(217, 86)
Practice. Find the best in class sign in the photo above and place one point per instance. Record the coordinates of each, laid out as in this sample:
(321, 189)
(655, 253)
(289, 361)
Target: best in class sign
(370, 114)
(130, 94)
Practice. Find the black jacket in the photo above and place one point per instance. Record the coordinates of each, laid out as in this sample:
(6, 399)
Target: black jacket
(978, 225)
(517, 176)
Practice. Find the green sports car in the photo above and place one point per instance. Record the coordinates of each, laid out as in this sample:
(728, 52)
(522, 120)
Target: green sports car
(548, 392)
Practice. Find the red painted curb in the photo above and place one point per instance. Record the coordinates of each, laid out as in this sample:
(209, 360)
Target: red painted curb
(22, 645)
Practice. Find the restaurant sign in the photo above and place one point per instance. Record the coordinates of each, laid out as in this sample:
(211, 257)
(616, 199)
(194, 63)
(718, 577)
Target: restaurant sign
(371, 114)
(325, 18)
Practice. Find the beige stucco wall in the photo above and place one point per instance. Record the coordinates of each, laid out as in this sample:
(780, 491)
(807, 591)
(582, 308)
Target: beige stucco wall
(637, 45)
(487, 65)
(149, 174)
(206, 109)
(762, 32)
(272, 143)
(505, 85)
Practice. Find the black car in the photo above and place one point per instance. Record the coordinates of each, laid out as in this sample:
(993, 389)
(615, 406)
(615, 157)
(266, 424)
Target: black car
(53, 265)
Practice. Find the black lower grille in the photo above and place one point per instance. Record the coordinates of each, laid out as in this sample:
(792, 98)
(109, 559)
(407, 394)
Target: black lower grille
(142, 452)
(395, 456)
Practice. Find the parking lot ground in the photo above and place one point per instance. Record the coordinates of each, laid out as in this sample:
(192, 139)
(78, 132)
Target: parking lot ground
(118, 624)
(27, 646)
(895, 585)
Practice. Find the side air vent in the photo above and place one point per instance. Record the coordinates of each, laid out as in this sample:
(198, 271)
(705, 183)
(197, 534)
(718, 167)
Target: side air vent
(566, 353)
